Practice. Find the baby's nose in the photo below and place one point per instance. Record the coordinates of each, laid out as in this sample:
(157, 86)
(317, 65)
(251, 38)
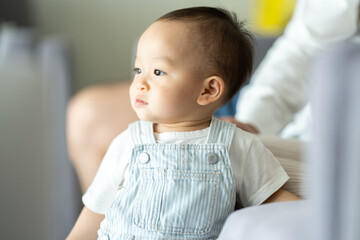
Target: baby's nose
(143, 86)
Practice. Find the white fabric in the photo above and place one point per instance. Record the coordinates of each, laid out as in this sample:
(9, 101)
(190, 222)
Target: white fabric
(334, 152)
(279, 88)
(274, 221)
(258, 174)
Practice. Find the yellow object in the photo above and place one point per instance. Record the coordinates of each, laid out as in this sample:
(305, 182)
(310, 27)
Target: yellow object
(271, 16)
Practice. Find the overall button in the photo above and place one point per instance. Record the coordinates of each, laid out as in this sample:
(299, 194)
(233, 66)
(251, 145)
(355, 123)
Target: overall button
(213, 158)
(104, 237)
(144, 157)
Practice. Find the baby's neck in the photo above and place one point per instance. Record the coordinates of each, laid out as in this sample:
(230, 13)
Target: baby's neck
(186, 126)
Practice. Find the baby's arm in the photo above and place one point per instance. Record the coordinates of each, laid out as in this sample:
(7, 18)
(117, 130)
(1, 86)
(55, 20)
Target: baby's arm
(86, 225)
(281, 195)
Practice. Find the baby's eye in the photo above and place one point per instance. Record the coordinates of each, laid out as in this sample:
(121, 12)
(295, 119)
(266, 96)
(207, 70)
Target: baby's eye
(137, 70)
(158, 72)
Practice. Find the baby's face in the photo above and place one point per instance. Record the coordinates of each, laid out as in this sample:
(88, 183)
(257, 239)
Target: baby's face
(168, 77)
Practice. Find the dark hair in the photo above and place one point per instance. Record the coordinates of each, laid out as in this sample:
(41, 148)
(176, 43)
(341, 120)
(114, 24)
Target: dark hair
(226, 43)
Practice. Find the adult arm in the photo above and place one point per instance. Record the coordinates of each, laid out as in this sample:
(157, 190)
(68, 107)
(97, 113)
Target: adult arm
(86, 225)
(244, 126)
(279, 88)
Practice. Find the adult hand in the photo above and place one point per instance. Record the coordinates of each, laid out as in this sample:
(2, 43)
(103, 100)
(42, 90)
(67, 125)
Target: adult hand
(244, 126)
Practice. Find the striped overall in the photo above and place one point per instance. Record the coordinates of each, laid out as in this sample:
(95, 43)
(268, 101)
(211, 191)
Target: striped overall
(174, 191)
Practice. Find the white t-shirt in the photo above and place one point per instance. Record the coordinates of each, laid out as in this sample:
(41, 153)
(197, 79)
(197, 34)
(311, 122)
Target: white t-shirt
(258, 174)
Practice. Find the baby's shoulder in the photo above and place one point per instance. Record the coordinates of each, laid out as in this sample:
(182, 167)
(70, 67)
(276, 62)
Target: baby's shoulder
(122, 138)
(243, 137)
(244, 141)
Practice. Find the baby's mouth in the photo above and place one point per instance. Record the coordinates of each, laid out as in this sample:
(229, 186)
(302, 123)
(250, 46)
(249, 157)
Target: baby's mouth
(139, 102)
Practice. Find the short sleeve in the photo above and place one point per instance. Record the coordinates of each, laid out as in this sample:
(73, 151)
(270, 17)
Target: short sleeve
(261, 174)
(102, 190)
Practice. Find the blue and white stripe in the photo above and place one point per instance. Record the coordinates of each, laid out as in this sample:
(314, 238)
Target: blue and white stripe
(178, 193)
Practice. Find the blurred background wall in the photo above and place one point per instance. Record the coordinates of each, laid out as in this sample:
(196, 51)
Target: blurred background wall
(102, 34)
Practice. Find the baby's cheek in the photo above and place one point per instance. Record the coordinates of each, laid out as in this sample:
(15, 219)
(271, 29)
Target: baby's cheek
(132, 91)
(166, 105)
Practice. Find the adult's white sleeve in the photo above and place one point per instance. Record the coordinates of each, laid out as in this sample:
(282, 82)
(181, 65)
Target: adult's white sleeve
(279, 89)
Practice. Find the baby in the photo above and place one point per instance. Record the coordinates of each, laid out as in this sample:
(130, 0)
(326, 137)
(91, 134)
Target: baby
(179, 172)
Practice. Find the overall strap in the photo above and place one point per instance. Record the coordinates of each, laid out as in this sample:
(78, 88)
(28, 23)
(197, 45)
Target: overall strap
(142, 132)
(221, 132)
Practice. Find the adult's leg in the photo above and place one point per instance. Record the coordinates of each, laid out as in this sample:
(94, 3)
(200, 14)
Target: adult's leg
(95, 117)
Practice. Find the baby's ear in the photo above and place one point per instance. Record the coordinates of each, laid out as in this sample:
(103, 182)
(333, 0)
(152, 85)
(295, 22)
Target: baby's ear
(213, 89)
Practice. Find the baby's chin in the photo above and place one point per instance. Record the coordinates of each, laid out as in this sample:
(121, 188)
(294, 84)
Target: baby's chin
(144, 117)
